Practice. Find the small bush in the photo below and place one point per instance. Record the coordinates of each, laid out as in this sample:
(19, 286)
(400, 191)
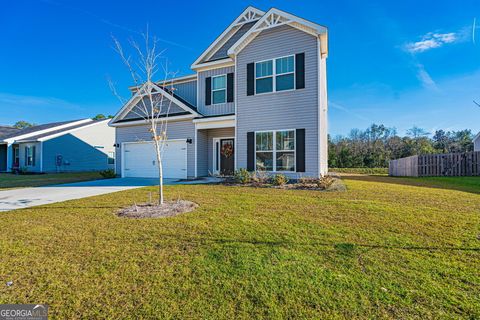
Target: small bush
(108, 174)
(325, 182)
(260, 177)
(279, 180)
(242, 176)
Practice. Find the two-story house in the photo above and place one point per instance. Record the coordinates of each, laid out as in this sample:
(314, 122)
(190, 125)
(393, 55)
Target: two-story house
(258, 100)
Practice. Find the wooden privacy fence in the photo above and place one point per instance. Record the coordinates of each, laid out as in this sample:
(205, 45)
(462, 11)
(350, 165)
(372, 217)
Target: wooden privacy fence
(428, 165)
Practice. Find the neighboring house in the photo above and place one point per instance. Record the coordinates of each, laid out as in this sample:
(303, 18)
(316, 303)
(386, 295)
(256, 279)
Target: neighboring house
(258, 100)
(79, 145)
(476, 142)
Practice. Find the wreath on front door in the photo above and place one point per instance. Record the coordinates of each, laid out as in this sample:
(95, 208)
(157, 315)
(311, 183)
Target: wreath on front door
(227, 150)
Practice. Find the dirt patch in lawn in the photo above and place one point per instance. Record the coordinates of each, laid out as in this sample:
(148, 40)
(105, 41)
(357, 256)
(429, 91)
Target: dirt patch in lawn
(150, 210)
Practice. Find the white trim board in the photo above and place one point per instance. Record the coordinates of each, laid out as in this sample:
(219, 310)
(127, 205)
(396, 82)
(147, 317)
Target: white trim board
(137, 96)
(274, 18)
(248, 15)
(36, 133)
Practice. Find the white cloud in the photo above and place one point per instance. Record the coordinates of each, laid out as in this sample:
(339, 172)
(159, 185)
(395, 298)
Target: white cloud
(432, 40)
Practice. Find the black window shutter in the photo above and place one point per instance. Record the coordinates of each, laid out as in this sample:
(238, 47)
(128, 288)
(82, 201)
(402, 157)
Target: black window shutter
(208, 91)
(250, 79)
(300, 149)
(230, 87)
(300, 70)
(33, 155)
(251, 151)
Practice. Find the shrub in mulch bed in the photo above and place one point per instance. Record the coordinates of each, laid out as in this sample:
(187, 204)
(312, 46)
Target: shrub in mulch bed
(151, 210)
(261, 179)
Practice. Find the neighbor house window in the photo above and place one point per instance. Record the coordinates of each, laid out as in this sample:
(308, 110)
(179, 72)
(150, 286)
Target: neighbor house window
(275, 150)
(30, 156)
(111, 158)
(16, 156)
(275, 75)
(219, 89)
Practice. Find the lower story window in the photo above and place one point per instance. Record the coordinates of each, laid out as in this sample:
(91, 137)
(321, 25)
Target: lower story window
(275, 150)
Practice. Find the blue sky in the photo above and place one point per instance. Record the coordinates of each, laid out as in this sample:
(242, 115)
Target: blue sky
(397, 63)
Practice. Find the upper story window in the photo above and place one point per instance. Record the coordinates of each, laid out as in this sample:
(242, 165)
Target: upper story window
(275, 75)
(219, 89)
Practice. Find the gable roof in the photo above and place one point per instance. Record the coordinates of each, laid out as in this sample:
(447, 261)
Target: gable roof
(7, 130)
(167, 93)
(236, 29)
(274, 18)
(477, 136)
(61, 131)
(43, 128)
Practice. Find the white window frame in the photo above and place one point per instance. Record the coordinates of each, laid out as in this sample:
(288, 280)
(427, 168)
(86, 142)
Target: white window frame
(274, 75)
(29, 162)
(16, 155)
(274, 150)
(215, 90)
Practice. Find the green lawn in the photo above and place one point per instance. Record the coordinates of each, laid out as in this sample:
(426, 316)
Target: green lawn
(383, 249)
(8, 180)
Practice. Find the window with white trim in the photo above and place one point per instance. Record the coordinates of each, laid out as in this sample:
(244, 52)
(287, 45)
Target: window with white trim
(275, 150)
(219, 89)
(275, 75)
(30, 156)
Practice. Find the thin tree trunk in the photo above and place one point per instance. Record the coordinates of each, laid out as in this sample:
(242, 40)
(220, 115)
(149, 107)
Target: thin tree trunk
(160, 172)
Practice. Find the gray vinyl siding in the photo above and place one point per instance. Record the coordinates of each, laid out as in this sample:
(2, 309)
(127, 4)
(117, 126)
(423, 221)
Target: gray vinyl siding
(281, 110)
(476, 145)
(202, 145)
(187, 91)
(77, 155)
(140, 110)
(224, 108)
(38, 154)
(85, 149)
(176, 130)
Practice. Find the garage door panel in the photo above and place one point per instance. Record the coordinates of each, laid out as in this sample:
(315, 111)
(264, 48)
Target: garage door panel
(140, 160)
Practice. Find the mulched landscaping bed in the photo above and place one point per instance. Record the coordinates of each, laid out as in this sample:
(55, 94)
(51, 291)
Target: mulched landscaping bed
(150, 210)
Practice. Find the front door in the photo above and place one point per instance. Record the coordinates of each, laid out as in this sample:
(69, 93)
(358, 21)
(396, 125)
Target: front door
(227, 154)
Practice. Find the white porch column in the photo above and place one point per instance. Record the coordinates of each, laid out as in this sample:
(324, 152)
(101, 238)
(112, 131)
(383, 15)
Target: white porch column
(196, 150)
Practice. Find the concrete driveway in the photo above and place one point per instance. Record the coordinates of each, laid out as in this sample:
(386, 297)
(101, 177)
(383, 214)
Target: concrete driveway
(29, 197)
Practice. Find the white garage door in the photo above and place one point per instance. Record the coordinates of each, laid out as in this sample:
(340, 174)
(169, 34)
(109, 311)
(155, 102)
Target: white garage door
(140, 160)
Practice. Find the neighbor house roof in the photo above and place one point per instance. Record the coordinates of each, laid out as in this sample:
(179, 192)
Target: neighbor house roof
(46, 131)
(477, 136)
(61, 131)
(37, 128)
(7, 130)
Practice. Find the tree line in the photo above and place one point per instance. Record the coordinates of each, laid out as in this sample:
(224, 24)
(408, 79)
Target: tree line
(375, 146)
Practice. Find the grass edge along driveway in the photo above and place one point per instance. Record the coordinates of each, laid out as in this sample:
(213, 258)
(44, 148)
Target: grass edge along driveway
(11, 181)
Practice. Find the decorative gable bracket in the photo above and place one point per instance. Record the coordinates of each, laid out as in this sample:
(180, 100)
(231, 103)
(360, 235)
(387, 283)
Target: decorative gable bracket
(274, 18)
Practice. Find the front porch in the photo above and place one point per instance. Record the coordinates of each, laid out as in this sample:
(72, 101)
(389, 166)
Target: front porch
(215, 146)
